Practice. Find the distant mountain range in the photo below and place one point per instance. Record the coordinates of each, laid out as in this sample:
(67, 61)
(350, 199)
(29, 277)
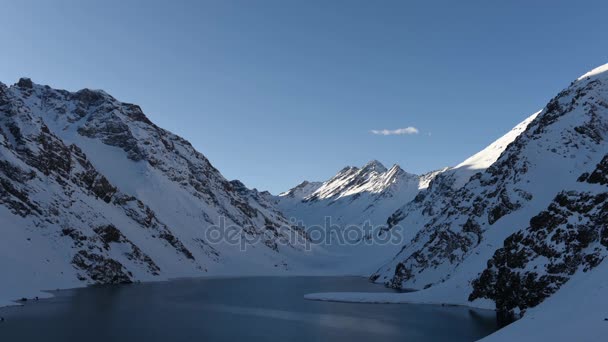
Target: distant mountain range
(354, 195)
(379, 195)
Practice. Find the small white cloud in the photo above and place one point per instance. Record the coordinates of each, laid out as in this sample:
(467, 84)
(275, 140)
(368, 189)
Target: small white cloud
(398, 131)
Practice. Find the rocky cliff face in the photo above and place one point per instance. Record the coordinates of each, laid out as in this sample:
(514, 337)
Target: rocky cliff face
(109, 197)
(569, 236)
(516, 231)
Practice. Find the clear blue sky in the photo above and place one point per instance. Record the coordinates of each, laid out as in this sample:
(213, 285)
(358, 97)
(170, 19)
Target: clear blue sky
(275, 92)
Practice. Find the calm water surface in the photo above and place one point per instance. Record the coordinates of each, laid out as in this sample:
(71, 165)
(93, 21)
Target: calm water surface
(232, 309)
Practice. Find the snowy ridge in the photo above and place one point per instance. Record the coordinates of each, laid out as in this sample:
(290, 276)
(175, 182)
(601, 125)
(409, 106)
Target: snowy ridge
(302, 190)
(372, 177)
(355, 200)
(442, 185)
(354, 195)
(594, 72)
(425, 179)
(486, 157)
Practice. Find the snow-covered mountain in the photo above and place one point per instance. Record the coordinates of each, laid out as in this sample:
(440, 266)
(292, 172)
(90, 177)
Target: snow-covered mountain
(527, 234)
(520, 229)
(441, 185)
(91, 191)
(385, 197)
(299, 192)
(353, 196)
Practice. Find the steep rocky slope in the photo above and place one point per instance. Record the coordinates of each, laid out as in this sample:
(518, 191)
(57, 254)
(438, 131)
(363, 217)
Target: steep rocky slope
(569, 236)
(91, 191)
(517, 231)
(442, 184)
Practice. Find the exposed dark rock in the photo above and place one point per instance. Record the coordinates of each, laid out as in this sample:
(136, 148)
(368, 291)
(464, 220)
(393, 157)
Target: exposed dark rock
(114, 132)
(599, 175)
(108, 234)
(89, 97)
(91, 179)
(25, 83)
(100, 269)
(553, 237)
(173, 241)
(135, 113)
(17, 200)
(51, 157)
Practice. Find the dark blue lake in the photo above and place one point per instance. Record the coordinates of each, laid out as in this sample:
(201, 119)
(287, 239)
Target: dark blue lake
(233, 309)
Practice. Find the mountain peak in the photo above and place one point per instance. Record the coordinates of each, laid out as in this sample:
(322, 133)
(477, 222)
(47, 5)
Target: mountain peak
(374, 165)
(25, 82)
(396, 168)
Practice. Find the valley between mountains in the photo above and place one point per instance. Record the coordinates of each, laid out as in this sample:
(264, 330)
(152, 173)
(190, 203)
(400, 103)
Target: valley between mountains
(93, 192)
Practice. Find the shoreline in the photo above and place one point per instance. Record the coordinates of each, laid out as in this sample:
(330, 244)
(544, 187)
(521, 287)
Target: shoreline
(392, 298)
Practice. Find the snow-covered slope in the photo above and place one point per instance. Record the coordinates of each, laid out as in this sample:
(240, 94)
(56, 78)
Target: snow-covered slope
(297, 194)
(353, 196)
(302, 190)
(346, 215)
(388, 206)
(91, 191)
(520, 229)
(442, 185)
(566, 240)
(526, 236)
(486, 157)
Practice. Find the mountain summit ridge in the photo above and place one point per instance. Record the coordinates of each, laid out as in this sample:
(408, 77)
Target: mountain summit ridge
(354, 195)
